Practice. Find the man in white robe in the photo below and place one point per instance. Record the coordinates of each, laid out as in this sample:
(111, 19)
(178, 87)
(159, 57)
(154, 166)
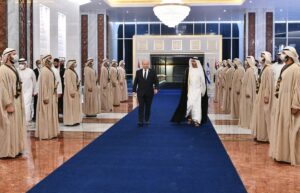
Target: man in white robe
(123, 81)
(28, 87)
(58, 79)
(196, 90)
(277, 66)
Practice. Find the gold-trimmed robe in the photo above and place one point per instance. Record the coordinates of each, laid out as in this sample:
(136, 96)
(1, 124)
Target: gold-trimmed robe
(248, 94)
(47, 126)
(261, 116)
(123, 84)
(12, 126)
(91, 91)
(105, 90)
(72, 105)
(236, 91)
(286, 141)
(116, 91)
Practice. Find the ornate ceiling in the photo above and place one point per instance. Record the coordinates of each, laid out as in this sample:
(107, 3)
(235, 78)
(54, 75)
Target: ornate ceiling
(146, 3)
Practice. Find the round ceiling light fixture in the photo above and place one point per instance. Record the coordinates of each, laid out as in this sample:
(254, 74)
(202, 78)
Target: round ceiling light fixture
(171, 12)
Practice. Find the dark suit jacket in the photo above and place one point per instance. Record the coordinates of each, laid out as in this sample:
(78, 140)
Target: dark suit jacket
(37, 73)
(145, 87)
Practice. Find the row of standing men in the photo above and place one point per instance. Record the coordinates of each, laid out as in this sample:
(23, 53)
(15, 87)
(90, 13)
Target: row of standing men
(267, 101)
(99, 95)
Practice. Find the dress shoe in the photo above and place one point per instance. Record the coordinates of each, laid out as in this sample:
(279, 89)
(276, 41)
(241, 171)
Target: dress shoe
(140, 124)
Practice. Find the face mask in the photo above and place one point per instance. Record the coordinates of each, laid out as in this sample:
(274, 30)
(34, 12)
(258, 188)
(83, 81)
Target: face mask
(14, 59)
(21, 66)
(283, 57)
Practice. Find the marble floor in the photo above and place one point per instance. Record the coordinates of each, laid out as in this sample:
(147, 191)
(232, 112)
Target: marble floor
(259, 173)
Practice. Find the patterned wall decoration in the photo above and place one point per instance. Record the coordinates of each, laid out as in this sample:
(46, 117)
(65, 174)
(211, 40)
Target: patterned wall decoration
(269, 32)
(3, 21)
(31, 32)
(251, 34)
(101, 28)
(107, 31)
(23, 28)
(84, 43)
(245, 28)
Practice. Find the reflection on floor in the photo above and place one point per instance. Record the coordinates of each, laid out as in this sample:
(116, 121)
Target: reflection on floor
(259, 173)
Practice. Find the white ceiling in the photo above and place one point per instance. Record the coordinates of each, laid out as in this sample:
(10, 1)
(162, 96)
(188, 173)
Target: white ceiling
(284, 9)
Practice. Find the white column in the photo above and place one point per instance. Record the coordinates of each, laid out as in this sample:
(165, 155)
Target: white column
(13, 24)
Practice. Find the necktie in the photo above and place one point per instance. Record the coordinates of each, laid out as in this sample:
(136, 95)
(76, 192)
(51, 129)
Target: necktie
(145, 74)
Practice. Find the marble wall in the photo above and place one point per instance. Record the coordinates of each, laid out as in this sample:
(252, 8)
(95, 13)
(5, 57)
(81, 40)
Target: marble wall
(96, 34)
(72, 12)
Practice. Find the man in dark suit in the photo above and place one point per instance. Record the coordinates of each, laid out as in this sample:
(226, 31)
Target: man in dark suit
(37, 73)
(145, 85)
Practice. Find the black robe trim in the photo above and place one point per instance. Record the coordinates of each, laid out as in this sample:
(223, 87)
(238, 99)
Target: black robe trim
(180, 113)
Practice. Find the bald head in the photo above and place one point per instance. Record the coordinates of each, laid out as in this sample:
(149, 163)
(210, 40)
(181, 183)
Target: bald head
(146, 64)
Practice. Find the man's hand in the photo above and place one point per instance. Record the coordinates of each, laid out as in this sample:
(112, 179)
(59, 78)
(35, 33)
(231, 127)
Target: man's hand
(155, 91)
(247, 96)
(295, 111)
(134, 94)
(90, 90)
(10, 108)
(59, 95)
(72, 95)
(238, 93)
(46, 102)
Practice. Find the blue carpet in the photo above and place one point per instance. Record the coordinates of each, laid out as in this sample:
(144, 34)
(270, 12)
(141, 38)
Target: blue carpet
(160, 158)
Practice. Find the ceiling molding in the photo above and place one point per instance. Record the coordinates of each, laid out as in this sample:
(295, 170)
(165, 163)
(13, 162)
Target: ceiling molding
(147, 3)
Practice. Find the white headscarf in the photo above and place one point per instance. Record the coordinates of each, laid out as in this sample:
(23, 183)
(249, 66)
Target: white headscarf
(268, 57)
(199, 66)
(105, 61)
(251, 61)
(224, 63)
(229, 62)
(291, 52)
(6, 53)
(122, 63)
(89, 61)
(114, 62)
(70, 63)
(45, 58)
(237, 62)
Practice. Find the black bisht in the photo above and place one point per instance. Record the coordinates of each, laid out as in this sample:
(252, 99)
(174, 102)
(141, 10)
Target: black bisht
(179, 115)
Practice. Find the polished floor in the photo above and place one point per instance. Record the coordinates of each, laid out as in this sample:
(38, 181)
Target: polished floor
(259, 173)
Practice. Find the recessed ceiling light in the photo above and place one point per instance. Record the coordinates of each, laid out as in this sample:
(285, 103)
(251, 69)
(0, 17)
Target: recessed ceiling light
(250, 1)
(225, 10)
(127, 11)
(219, 18)
(281, 10)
